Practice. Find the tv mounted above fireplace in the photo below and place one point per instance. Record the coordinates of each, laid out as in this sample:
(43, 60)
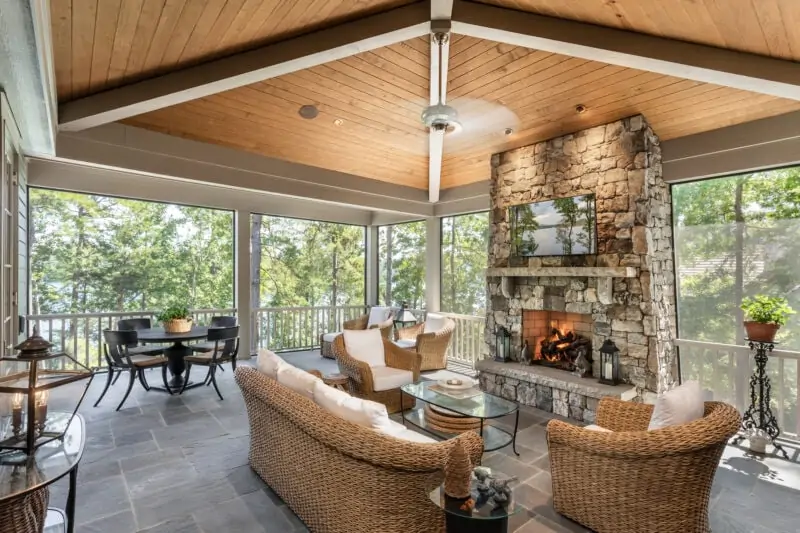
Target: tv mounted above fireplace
(564, 226)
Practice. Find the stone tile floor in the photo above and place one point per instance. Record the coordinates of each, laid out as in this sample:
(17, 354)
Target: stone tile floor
(179, 465)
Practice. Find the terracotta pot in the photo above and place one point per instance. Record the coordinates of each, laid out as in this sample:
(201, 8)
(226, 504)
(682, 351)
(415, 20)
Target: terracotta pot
(178, 325)
(758, 331)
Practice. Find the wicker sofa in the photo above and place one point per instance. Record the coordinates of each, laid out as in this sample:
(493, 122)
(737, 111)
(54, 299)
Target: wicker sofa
(339, 477)
(430, 343)
(634, 480)
(359, 375)
(362, 322)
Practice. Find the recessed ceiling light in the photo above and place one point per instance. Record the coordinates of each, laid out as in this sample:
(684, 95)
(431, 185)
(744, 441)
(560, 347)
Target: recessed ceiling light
(308, 111)
(580, 109)
(508, 131)
(338, 122)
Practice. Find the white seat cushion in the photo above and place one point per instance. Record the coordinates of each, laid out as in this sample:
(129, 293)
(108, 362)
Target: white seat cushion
(593, 427)
(298, 380)
(406, 343)
(357, 410)
(399, 431)
(434, 323)
(378, 315)
(365, 345)
(681, 405)
(268, 362)
(329, 337)
(387, 378)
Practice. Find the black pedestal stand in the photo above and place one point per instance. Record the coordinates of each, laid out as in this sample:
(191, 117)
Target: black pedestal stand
(463, 524)
(759, 415)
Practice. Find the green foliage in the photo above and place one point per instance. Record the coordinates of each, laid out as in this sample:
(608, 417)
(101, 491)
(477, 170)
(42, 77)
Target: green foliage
(175, 312)
(767, 309)
(465, 244)
(401, 264)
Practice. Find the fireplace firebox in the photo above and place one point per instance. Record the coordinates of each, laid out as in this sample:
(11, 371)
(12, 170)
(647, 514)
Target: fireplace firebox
(559, 340)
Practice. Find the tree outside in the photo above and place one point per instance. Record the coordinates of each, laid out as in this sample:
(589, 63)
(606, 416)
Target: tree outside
(401, 264)
(736, 237)
(465, 244)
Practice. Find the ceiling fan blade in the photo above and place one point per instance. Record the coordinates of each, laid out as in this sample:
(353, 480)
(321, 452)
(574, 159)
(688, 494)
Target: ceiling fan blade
(435, 149)
(480, 118)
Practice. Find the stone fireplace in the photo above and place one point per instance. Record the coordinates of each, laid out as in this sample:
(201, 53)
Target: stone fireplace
(554, 336)
(625, 292)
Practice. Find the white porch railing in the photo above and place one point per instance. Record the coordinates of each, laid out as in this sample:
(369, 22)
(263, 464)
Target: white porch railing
(81, 334)
(467, 341)
(725, 370)
(298, 328)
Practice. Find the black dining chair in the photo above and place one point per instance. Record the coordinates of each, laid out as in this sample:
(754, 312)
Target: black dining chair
(216, 322)
(225, 342)
(119, 359)
(135, 324)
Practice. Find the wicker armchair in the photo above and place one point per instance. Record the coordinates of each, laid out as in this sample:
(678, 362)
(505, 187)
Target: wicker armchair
(326, 339)
(25, 514)
(432, 346)
(637, 480)
(360, 377)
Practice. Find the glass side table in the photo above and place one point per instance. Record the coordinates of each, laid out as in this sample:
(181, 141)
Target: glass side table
(21, 474)
(461, 518)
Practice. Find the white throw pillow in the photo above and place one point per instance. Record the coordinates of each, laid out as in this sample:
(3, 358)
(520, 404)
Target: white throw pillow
(406, 343)
(399, 431)
(298, 380)
(365, 345)
(388, 378)
(434, 323)
(681, 405)
(378, 315)
(268, 362)
(593, 427)
(330, 337)
(365, 413)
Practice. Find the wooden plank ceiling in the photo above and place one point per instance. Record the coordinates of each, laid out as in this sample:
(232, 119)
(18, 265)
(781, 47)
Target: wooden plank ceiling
(765, 27)
(379, 96)
(375, 98)
(99, 44)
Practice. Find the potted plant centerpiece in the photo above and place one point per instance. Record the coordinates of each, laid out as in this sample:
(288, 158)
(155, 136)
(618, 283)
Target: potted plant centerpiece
(175, 319)
(766, 315)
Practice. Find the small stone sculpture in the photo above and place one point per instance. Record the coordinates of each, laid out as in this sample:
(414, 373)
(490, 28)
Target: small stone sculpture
(491, 491)
(583, 365)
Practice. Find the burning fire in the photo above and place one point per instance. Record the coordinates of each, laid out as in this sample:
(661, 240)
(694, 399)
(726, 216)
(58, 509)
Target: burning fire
(555, 335)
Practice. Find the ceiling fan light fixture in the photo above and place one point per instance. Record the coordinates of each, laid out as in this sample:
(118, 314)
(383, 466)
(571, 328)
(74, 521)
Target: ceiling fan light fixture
(441, 118)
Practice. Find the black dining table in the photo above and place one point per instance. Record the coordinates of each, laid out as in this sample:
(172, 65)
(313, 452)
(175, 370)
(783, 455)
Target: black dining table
(176, 352)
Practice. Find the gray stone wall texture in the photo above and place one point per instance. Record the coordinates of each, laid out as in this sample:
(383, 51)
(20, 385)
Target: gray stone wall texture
(620, 163)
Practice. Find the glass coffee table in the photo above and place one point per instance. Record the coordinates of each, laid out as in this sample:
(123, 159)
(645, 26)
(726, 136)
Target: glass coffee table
(445, 416)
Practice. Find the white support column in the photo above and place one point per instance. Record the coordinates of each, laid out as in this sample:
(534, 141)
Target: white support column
(371, 259)
(433, 264)
(242, 283)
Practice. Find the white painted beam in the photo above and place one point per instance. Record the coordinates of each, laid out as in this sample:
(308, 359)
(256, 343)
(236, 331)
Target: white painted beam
(433, 264)
(263, 63)
(242, 282)
(697, 62)
(143, 151)
(371, 257)
(440, 13)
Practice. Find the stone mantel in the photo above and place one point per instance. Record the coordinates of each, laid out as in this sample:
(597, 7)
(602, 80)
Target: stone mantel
(603, 275)
(563, 271)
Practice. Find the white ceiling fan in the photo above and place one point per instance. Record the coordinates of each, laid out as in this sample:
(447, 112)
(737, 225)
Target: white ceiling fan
(479, 119)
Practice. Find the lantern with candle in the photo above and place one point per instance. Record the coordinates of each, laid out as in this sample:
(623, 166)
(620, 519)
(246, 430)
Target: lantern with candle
(27, 379)
(502, 347)
(405, 319)
(609, 363)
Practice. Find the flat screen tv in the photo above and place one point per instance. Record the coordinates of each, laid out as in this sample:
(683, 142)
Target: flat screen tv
(564, 226)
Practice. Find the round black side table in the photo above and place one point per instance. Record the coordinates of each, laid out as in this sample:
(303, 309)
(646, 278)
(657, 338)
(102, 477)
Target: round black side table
(461, 519)
(21, 474)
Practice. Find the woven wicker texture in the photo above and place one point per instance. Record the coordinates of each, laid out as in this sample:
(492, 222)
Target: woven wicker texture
(339, 477)
(431, 346)
(360, 375)
(634, 480)
(25, 514)
(450, 424)
(361, 323)
(459, 470)
(325, 348)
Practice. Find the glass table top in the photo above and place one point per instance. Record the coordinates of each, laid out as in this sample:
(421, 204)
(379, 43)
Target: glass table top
(20, 473)
(482, 405)
(477, 509)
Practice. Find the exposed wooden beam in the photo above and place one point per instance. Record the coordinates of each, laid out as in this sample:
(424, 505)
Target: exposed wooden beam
(441, 11)
(269, 61)
(697, 62)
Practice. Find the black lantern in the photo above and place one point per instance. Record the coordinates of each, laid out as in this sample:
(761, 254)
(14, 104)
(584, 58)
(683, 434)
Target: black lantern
(502, 346)
(405, 318)
(609, 363)
(26, 382)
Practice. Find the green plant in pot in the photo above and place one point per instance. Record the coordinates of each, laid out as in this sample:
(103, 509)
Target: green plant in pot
(175, 319)
(764, 316)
